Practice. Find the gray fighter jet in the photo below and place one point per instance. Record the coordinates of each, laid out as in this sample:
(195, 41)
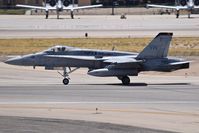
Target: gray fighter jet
(188, 5)
(106, 63)
(59, 6)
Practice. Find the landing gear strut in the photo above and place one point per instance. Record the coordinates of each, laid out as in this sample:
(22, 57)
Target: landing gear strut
(71, 14)
(57, 14)
(125, 80)
(189, 14)
(47, 14)
(177, 14)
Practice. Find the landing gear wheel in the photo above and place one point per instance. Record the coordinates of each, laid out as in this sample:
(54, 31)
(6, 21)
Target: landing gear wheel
(125, 80)
(65, 81)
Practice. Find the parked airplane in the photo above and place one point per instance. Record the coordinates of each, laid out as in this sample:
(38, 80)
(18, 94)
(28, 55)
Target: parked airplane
(59, 6)
(106, 63)
(188, 5)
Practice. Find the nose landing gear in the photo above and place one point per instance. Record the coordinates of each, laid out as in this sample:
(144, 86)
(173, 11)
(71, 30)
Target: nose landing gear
(65, 74)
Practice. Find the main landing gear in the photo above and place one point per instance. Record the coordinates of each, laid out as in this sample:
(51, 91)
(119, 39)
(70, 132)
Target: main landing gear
(66, 73)
(189, 14)
(177, 14)
(47, 12)
(125, 80)
(71, 14)
(57, 14)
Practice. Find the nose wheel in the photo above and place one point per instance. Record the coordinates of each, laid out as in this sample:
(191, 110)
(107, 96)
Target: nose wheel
(65, 81)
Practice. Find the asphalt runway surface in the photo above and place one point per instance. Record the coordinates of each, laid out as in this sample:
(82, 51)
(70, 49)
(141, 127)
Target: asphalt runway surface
(166, 103)
(41, 125)
(21, 26)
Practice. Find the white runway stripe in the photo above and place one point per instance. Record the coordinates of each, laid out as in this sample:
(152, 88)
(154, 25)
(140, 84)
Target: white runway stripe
(98, 102)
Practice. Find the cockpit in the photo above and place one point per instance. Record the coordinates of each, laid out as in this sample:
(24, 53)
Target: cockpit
(59, 49)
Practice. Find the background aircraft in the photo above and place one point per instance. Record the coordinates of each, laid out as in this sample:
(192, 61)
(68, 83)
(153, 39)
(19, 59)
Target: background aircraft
(188, 5)
(59, 6)
(106, 63)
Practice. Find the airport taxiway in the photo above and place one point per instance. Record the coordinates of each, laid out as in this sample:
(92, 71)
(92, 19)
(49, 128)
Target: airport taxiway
(22, 26)
(152, 101)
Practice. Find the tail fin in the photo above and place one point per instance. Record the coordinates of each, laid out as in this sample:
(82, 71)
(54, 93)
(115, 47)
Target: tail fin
(157, 48)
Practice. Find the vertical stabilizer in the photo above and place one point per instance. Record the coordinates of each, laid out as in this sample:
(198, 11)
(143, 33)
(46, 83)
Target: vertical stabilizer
(157, 48)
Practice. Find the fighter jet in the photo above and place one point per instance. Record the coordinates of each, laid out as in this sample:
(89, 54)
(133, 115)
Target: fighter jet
(188, 5)
(103, 63)
(59, 6)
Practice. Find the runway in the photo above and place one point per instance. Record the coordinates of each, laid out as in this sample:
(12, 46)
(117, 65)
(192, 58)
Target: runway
(157, 102)
(97, 26)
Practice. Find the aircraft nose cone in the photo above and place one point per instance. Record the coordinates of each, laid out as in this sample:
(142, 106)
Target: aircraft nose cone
(13, 61)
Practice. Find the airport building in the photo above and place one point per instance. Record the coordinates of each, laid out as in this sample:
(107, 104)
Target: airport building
(12, 3)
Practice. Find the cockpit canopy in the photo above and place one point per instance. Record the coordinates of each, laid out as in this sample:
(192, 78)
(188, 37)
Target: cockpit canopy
(59, 48)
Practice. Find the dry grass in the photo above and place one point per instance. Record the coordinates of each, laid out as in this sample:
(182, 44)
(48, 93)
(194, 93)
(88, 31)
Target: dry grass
(12, 11)
(180, 46)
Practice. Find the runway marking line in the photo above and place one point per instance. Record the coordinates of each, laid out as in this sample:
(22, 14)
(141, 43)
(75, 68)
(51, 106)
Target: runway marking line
(98, 102)
(155, 112)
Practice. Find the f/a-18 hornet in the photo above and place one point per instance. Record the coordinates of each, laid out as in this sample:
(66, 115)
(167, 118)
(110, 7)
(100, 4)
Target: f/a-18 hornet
(106, 63)
(188, 5)
(59, 6)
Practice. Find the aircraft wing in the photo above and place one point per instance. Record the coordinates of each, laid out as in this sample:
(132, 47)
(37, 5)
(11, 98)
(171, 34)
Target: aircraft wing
(81, 7)
(121, 60)
(32, 7)
(162, 6)
(123, 63)
(170, 7)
